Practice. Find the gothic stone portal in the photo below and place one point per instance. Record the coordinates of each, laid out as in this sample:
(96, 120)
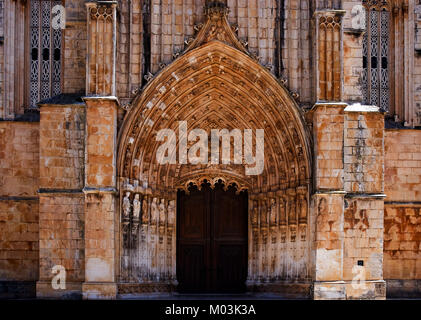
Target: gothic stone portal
(215, 84)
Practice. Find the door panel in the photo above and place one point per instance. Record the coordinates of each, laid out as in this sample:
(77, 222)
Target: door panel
(212, 240)
(192, 257)
(231, 272)
(193, 240)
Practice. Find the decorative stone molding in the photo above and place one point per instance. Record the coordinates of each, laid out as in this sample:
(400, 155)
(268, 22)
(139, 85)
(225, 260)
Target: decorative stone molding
(13, 88)
(213, 179)
(101, 57)
(328, 62)
(148, 238)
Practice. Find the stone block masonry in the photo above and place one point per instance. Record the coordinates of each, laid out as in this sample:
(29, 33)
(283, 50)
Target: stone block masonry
(61, 211)
(19, 172)
(402, 214)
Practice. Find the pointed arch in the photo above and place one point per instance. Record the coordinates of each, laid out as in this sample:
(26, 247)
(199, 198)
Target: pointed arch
(216, 86)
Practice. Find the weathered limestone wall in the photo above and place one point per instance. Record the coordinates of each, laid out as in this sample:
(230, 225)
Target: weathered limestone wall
(61, 238)
(101, 62)
(19, 158)
(417, 63)
(172, 22)
(19, 143)
(328, 201)
(101, 224)
(348, 202)
(402, 231)
(328, 146)
(74, 47)
(402, 165)
(1, 51)
(62, 134)
(353, 51)
(363, 152)
(13, 90)
(61, 210)
(364, 202)
(295, 42)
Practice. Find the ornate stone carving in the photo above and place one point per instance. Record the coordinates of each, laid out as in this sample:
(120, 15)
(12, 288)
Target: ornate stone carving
(216, 27)
(136, 207)
(126, 206)
(251, 96)
(162, 212)
(101, 23)
(329, 55)
(171, 212)
(303, 232)
(154, 211)
(273, 212)
(212, 179)
(292, 214)
(293, 233)
(302, 200)
(145, 212)
(282, 211)
(255, 214)
(148, 77)
(263, 214)
(101, 12)
(283, 234)
(135, 222)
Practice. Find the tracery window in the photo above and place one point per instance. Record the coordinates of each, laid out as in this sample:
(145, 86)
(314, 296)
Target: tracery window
(376, 42)
(45, 52)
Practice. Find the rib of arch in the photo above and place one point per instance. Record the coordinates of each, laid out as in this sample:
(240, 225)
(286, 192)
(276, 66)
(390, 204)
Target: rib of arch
(215, 86)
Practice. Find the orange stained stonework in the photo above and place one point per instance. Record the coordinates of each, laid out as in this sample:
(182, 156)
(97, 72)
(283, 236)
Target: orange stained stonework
(339, 197)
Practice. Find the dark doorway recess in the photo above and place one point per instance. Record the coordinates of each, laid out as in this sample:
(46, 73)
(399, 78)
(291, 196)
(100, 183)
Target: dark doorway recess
(212, 234)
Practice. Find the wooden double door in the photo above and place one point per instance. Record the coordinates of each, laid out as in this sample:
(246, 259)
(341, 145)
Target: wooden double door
(212, 240)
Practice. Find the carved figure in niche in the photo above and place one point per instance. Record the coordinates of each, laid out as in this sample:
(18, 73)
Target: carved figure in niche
(263, 216)
(292, 218)
(273, 212)
(126, 205)
(145, 215)
(154, 210)
(136, 207)
(171, 212)
(162, 212)
(282, 212)
(255, 214)
(303, 208)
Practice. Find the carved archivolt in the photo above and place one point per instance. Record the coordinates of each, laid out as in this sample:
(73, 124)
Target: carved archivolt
(212, 179)
(215, 84)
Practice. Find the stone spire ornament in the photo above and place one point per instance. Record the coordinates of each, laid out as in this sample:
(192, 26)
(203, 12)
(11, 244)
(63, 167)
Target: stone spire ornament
(217, 28)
